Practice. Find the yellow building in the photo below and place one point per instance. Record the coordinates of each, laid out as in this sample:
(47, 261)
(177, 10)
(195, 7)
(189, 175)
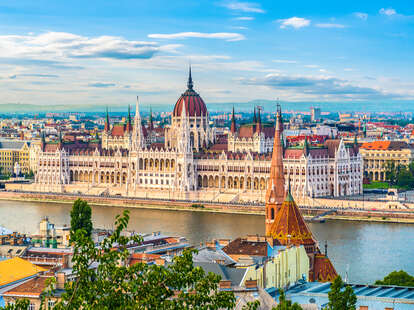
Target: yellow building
(376, 155)
(287, 267)
(12, 152)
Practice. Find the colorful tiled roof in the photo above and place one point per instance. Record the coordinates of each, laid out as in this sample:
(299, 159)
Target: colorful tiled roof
(323, 270)
(289, 226)
(385, 145)
(15, 269)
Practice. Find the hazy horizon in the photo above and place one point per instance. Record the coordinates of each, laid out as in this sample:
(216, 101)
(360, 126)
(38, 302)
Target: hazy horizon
(332, 54)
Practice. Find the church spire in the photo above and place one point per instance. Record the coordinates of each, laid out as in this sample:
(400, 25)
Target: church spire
(184, 136)
(254, 116)
(233, 123)
(60, 140)
(190, 80)
(259, 122)
(107, 124)
(151, 124)
(129, 124)
(276, 188)
(306, 146)
(138, 136)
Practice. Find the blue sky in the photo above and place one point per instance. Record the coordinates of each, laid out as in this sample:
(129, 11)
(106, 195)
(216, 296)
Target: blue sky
(107, 52)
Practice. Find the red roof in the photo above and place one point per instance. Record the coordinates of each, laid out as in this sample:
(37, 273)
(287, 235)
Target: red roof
(194, 105)
(118, 130)
(248, 131)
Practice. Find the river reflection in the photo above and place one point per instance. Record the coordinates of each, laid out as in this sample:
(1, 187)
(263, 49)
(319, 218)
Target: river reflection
(364, 251)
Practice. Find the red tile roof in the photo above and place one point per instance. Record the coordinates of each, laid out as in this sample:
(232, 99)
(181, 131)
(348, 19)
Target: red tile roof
(241, 246)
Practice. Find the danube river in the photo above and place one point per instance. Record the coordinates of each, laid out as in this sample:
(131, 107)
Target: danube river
(363, 251)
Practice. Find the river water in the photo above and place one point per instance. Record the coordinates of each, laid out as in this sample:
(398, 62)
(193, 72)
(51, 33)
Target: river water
(363, 251)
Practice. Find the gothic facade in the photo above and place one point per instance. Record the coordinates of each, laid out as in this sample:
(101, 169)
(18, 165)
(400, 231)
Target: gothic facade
(128, 161)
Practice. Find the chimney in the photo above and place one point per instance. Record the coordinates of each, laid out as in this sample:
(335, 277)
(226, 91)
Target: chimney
(250, 284)
(226, 284)
(60, 280)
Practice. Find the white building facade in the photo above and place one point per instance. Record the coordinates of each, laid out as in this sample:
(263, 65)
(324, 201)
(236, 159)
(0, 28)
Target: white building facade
(125, 162)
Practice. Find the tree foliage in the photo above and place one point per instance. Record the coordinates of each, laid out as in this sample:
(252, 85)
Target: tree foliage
(20, 304)
(105, 280)
(399, 175)
(285, 304)
(81, 218)
(399, 278)
(341, 296)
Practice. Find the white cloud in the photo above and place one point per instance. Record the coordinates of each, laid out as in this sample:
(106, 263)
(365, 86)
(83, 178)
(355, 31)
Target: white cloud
(228, 36)
(250, 7)
(387, 12)
(348, 69)
(311, 66)
(294, 22)
(284, 61)
(239, 27)
(330, 25)
(361, 15)
(61, 45)
(328, 87)
(244, 18)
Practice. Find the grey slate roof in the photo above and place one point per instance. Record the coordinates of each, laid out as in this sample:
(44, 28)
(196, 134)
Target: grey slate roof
(207, 255)
(13, 145)
(235, 275)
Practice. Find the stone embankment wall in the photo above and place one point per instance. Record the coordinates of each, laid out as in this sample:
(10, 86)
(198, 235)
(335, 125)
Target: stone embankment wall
(341, 213)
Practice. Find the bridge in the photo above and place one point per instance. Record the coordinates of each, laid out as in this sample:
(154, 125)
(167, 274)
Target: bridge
(320, 216)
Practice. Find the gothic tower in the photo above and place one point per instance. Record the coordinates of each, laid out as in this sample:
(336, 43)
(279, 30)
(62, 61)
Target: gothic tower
(276, 188)
(137, 134)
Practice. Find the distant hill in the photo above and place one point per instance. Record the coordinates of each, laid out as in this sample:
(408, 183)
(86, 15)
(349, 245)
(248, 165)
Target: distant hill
(268, 105)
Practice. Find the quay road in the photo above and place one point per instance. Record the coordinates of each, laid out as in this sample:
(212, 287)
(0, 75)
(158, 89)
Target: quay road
(209, 206)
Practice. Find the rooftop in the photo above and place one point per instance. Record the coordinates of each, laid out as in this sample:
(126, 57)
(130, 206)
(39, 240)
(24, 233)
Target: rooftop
(16, 269)
(373, 296)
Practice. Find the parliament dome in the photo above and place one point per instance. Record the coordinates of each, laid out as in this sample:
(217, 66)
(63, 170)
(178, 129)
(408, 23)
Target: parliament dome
(194, 104)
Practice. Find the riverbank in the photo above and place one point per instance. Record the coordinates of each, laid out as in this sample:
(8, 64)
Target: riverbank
(347, 214)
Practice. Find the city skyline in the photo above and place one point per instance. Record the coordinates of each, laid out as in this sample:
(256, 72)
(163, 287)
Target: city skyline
(59, 54)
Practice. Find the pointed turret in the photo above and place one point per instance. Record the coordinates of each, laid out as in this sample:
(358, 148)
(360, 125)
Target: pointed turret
(128, 127)
(43, 141)
(259, 122)
(254, 116)
(184, 136)
(306, 146)
(137, 134)
(276, 188)
(233, 123)
(289, 226)
(190, 80)
(107, 124)
(60, 140)
(151, 124)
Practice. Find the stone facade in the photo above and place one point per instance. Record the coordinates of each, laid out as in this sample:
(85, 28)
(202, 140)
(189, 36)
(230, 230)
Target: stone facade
(378, 154)
(127, 162)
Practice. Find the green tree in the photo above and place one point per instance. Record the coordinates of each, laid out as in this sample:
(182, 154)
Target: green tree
(114, 284)
(405, 179)
(20, 304)
(390, 172)
(399, 278)
(80, 218)
(339, 298)
(30, 175)
(285, 304)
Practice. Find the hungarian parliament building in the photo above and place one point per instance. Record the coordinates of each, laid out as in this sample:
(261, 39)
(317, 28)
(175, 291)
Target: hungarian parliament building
(194, 162)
